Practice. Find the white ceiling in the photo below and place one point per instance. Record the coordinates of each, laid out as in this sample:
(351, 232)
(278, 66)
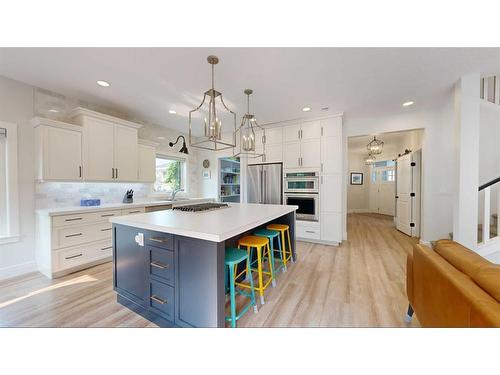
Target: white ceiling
(147, 82)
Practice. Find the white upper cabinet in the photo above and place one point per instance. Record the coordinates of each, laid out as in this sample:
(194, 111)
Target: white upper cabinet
(125, 153)
(59, 150)
(331, 127)
(147, 161)
(98, 150)
(274, 136)
(331, 145)
(310, 130)
(291, 133)
(310, 153)
(291, 155)
(110, 148)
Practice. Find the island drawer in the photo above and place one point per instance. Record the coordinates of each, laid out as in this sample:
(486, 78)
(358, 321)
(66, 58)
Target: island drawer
(161, 299)
(158, 239)
(161, 264)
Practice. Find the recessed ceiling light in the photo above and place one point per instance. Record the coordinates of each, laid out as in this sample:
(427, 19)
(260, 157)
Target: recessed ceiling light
(52, 110)
(103, 83)
(409, 103)
(306, 109)
(172, 112)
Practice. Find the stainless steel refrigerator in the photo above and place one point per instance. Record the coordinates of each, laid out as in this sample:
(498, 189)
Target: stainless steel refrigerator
(265, 183)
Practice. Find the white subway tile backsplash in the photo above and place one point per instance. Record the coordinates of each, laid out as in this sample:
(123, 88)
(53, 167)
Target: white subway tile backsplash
(66, 194)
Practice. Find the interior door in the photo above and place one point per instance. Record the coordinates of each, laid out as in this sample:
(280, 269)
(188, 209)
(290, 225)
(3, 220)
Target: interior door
(387, 191)
(125, 153)
(403, 188)
(254, 183)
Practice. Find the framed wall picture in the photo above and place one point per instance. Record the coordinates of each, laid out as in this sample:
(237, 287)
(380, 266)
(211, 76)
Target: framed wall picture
(206, 174)
(356, 178)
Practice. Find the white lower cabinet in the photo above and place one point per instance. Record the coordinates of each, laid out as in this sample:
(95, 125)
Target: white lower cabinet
(307, 230)
(331, 224)
(68, 243)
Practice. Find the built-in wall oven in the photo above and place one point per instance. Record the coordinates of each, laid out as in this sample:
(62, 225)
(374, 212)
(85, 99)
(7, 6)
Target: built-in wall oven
(302, 189)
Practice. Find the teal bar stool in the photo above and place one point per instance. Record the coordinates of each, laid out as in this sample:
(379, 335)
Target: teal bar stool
(234, 257)
(272, 235)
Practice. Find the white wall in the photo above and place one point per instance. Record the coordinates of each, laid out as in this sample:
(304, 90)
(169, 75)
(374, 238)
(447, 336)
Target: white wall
(16, 106)
(358, 195)
(438, 154)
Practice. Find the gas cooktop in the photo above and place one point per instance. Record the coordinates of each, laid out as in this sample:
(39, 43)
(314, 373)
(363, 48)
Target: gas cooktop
(201, 207)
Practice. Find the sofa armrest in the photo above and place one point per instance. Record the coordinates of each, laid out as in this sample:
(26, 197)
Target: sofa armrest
(409, 278)
(485, 314)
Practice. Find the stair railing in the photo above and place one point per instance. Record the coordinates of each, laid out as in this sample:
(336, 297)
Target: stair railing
(487, 209)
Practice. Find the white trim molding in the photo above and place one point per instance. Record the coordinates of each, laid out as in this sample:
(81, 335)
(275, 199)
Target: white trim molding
(12, 234)
(16, 270)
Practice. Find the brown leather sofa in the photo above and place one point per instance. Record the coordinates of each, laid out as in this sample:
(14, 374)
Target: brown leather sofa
(452, 286)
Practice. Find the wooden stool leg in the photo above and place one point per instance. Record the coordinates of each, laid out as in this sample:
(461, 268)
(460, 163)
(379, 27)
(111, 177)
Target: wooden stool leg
(259, 270)
(233, 297)
(252, 290)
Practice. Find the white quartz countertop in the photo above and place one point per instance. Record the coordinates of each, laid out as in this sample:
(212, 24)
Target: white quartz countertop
(116, 206)
(217, 225)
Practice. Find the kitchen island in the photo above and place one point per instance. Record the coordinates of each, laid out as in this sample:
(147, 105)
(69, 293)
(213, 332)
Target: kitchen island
(169, 266)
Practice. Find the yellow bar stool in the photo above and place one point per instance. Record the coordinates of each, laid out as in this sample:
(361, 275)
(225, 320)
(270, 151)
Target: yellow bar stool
(261, 245)
(284, 229)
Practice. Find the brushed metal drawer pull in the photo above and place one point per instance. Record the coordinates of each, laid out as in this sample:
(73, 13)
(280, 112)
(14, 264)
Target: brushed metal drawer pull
(106, 229)
(107, 215)
(159, 265)
(73, 235)
(158, 239)
(74, 219)
(310, 231)
(158, 299)
(107, 248)
(74, 256)
(134, 212)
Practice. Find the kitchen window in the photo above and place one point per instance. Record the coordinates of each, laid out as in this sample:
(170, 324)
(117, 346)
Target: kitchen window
(9, 209)
(170, 174)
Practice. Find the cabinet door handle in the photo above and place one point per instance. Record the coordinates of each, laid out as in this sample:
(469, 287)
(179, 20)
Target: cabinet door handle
(301, 135)
(112, 173)
(158, 239)
(298, 162)
(158, 299)
(80, 169)
(321, 131)
(107, 215)
(74, 219)
(73, 235)
(105, 229)
(116, 172)
(159, 265)
(134, 212)
(106, 248)
(321, 167)
(310, 231)
(321, 180)
(298, 134)
(74, 256)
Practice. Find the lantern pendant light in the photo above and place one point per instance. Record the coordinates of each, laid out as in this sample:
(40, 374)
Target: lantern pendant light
(212, 123)
(370, 159)
(375, 147)
(246, 133)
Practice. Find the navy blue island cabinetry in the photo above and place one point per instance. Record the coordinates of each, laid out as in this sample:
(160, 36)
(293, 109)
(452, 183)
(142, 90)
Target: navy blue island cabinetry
(176, 280)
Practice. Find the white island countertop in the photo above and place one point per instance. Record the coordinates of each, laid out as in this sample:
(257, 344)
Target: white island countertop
(217, 225)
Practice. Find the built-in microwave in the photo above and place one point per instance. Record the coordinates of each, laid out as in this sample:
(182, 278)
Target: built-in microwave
(301, 182)
(308, 205)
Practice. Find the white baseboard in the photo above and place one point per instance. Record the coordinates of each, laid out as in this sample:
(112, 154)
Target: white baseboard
(17, 270)
(359, 211)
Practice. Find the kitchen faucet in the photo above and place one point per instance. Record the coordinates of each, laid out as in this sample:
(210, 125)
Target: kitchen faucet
(174, 193)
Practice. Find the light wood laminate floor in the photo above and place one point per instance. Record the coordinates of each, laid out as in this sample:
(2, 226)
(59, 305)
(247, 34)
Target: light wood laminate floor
(358, 284)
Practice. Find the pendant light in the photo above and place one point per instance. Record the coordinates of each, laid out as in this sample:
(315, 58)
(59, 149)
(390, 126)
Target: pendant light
(246, 133)
(212, 122)
(375, 147)
(370, 159)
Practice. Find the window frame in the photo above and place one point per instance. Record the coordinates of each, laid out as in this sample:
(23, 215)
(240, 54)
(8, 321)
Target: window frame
(184, 184)
(12, 192)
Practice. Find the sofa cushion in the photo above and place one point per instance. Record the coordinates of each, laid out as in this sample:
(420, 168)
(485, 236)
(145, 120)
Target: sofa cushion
(488, 278)
(461, 257)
